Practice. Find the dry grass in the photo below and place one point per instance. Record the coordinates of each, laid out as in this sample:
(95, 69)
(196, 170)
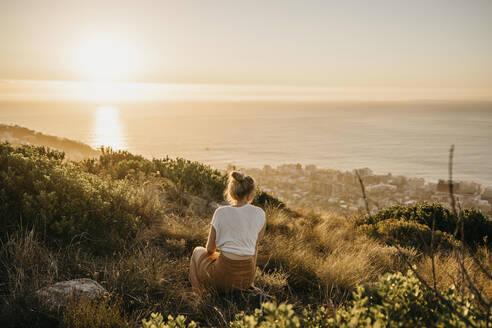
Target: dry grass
(97, 313)
(26, 264)
(323, 254)
(448, 271)
(305, 258)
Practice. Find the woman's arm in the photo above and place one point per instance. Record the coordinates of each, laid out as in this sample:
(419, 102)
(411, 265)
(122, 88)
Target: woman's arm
(211, 247)
(260, 236)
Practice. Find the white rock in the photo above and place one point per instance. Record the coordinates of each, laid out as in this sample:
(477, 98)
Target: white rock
(55, 296)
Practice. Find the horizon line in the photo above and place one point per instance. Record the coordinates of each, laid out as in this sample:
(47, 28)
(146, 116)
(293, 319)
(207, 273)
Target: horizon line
(23, 90)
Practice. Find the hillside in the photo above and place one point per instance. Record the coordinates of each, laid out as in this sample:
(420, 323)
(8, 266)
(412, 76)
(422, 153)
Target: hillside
(74, 150)
(131, 224)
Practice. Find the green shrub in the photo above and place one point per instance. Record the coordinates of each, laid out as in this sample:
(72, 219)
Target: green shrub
(157, 321)
(264, 199)
(409, 233)
(320, 317)
(38, 190)
(421, 217)
(62, 201)
(396, 300)
(476, 227)
(270, 315)
(192, 177)
(399, 300)
(119, 164)
(189, 176)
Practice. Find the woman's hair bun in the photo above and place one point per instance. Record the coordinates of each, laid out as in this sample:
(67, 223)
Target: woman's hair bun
(239, 186)
(238, 176)
(249, 180)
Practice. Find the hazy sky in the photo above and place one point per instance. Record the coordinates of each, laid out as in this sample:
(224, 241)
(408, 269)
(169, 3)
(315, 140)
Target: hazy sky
(408, 44)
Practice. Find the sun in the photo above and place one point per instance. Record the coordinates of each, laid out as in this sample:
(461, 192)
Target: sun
(106, 60)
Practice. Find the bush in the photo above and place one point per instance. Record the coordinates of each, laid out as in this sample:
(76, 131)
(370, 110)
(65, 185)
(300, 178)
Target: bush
(419, 218)
(189, 176)
(157, 321)
(264, 199)
(38, 190)
(399, 300)
(121, 164)
(409, 233)
(193, 177)
(269, 316)
(396, 300)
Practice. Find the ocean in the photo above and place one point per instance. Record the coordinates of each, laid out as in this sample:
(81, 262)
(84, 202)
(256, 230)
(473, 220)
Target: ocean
(411, 139)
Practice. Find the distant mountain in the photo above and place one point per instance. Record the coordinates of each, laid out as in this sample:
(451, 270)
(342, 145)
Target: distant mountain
(74, 150)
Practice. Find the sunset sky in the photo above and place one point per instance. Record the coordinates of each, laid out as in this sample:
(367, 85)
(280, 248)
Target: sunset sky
(428, 49)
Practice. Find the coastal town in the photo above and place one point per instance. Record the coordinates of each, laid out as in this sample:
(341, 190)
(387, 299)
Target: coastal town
(329, 189)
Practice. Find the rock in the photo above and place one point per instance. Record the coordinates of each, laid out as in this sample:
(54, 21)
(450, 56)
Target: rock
(58, 295)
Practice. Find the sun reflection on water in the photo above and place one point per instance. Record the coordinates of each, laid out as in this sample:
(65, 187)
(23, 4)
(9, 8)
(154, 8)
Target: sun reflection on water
(108, 130)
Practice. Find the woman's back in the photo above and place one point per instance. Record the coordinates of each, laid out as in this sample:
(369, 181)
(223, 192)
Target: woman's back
(236, 231)
(237, 228)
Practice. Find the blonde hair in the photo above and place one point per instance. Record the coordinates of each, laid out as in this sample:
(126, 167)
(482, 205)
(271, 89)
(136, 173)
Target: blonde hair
(239, 187)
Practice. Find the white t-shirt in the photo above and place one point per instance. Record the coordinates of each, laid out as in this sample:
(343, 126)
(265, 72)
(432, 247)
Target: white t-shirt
(237, 228)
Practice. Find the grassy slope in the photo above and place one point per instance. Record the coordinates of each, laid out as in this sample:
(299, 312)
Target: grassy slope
(305, 257)
(18, 135)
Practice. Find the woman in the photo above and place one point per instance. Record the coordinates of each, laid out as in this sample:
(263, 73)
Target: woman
(235, 231)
